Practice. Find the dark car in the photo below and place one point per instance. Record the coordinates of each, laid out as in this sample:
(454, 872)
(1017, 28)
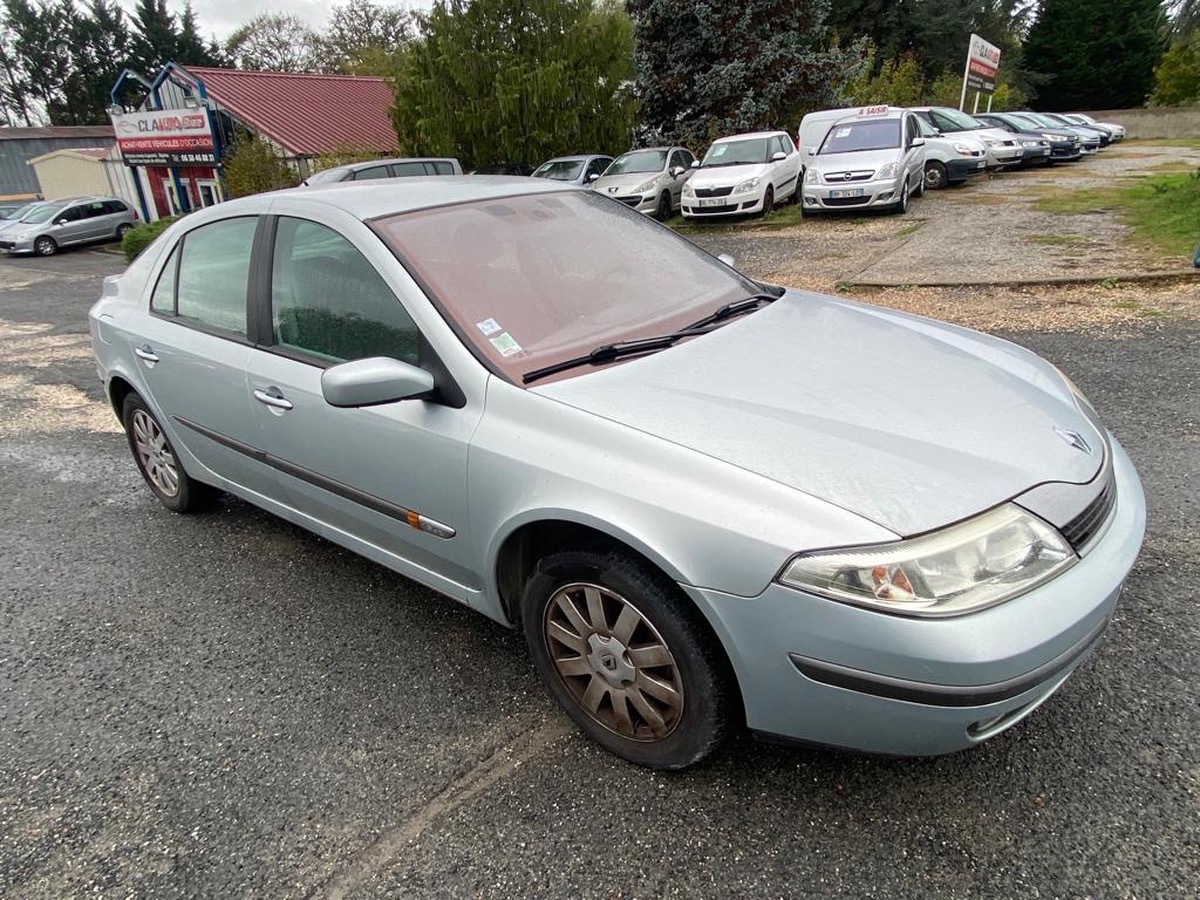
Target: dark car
(1089, 141)
(1103, 134)
(1064, 145)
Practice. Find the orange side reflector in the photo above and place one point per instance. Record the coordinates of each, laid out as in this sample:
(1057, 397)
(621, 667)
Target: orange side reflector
(414, 519)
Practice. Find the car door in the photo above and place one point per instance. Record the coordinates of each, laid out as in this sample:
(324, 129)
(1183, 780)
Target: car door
(914, 156)
(679, 159)
(192, 351)
(70, 226)
(373, 473)
(786, 172)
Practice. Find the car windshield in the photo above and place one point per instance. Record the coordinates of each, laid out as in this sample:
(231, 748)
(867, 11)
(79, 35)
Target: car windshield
(18, 214)
(738, 153)
(850, 137)
(521, 282)
(638, 162)
(43, 213)
(328, 175)
(960, 119)
(560, 169)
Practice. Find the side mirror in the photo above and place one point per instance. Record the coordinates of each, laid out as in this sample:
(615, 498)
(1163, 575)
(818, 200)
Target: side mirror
(778, 155)
(676, 171)
(918, 142)
(60, 222)
(695, 163)
(812, 151)
(371, 381)
(593, 176)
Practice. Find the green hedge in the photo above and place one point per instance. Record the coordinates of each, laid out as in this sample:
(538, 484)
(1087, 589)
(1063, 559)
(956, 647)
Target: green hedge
(139, 237)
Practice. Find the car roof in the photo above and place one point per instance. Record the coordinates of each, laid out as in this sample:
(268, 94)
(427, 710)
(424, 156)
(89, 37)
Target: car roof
(748, 135)
(894, 112)
(577, 158)
(373, 199)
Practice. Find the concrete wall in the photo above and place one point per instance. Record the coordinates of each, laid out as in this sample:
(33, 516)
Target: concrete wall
(1161, 122)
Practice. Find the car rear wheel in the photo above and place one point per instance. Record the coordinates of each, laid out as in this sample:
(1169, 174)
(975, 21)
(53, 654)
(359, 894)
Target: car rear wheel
(768, 201)
(663, 212)
(45, 246)
(628, 658)
(123, 229)
(156, 460)
(935, 175)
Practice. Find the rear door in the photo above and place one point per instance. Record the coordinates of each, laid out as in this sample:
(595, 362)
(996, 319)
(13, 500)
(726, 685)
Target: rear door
(192, 351)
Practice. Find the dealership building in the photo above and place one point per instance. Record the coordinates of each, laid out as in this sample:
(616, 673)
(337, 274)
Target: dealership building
(174, 139)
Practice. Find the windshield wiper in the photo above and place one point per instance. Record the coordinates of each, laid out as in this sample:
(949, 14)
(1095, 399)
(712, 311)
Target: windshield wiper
(610, 352)
(734, 308)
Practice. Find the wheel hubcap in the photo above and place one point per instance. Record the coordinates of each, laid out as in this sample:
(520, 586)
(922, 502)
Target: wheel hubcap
(154, 453)
(613, 661)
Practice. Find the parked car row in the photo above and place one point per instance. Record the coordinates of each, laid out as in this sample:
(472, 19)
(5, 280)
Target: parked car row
(880, 157)
(45, 226)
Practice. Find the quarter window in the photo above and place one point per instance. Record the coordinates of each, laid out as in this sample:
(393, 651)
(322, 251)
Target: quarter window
(214, 271)
(328, 301)
(163, 298)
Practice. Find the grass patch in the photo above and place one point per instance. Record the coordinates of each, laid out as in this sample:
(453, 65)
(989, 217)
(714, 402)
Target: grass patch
(909, 229)
(1164, 211)
(1193, 142)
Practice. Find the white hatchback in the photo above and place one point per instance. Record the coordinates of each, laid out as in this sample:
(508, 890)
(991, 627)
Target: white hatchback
(743, 173)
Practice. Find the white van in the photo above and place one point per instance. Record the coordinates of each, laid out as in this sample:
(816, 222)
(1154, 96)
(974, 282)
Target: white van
(815, 125)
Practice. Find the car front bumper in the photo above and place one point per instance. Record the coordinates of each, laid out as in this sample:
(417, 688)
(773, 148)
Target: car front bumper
(818, 671)
(853, 195)
(644, 203)
(961, 169)
(10, 246)
(1001, 156)
(734, 204)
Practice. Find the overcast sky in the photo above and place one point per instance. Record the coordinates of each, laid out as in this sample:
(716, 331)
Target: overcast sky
(221, 17)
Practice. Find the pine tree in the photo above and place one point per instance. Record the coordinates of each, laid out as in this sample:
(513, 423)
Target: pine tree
(516, 80)
(1089, 55)
(156, 39)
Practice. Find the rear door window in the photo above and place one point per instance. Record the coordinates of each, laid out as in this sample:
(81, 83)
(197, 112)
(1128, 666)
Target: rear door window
(214, 272)
(373, 172)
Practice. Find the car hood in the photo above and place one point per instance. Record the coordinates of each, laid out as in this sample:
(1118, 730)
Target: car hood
(992, 134)
(623, 183)
(726, 176)
(860, 159)
(911, 423)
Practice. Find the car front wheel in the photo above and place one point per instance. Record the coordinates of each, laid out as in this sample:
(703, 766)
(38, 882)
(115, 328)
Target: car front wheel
(628, 658)
(45, 246)
(156, 460)
(935, 175)
(768, 201)
(663, 212)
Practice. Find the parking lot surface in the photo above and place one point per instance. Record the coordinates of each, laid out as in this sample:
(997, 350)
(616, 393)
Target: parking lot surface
(225, 706)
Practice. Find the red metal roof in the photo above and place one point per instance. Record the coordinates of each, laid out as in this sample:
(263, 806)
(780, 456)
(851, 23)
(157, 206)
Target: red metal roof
(306, 114)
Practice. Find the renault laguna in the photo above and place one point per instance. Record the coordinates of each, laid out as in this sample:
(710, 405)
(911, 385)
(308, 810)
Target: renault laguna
(708, 503)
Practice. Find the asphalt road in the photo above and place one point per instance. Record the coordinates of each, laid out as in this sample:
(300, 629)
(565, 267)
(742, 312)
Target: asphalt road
(224, 706)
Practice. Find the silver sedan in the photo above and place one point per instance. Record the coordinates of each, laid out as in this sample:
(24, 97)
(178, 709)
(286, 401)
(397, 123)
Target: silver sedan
(707, 502)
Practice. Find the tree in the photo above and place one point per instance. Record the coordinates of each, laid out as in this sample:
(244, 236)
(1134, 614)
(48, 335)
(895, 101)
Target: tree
(251, 166)
(516, 80)
(274, 42)
(1090, 55)
(155, 36)
(1177, 78)
(363, 37)
(99, 44)
(190, 47)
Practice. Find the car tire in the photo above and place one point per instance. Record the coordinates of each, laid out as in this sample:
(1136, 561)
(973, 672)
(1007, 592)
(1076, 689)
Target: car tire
(921, 186)
(628, 657)
(45, 246)
(123, 229)
(663, 211)
(902, 206)
(768, 201)
(156, 460)
(936, 176)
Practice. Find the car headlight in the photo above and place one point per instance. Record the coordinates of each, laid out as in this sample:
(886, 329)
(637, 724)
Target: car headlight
(24, 235)
(646, 186)
(687, 190)
(992, 142)
(888, 170)
(812, 176)
(964, 150)
(748, 185)
(965, 567)
(1053, 137)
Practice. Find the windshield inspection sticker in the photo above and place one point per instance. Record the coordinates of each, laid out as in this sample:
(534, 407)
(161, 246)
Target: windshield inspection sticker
(488, 326)
(505, 344)
(843, 132)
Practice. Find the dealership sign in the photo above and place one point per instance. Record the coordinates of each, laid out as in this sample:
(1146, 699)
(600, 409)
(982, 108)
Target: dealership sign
(983, 61)
(165, 137)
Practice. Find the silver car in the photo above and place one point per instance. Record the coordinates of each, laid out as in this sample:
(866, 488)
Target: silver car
(373, 170)
(707, 502)
(650, 180)
(46, 228)
(875, 159)
(581, 170)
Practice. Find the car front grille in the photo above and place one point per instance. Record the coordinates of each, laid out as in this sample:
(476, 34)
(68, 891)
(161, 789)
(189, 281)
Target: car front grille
(1081, 529)
(6, 245)
(714, 192)
(723, 208)
(847, 201)
(848, 177)
(630, 201)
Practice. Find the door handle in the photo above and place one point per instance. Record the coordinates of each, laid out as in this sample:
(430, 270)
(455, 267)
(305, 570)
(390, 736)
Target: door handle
(147, 353)
(273, 397)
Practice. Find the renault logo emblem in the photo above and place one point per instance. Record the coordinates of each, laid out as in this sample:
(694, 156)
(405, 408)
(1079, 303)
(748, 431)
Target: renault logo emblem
(1074, 438)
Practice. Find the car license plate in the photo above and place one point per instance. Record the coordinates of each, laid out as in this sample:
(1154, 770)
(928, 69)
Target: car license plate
(848, 192)
(713, 201)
